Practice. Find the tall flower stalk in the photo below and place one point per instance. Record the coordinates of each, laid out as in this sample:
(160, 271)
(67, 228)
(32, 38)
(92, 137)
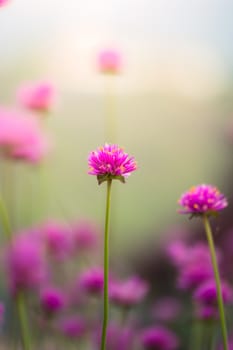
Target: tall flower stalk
(19, 298)
(108, 163)
(205, 201)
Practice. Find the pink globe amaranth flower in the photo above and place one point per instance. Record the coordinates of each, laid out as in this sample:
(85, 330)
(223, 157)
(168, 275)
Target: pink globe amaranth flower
(166, 309)
(111, 162)
(206, 293)
(72, 326)
(21, 137)
(85, 236)
(25, 263)
(37, 96)
(58, 239)
(52, 299)
(92, 281)
(129, 292)
(109, 62)
(202, 199)
(159, 338)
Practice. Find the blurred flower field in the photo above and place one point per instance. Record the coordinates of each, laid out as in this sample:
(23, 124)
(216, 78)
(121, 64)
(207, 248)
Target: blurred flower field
(102, 246)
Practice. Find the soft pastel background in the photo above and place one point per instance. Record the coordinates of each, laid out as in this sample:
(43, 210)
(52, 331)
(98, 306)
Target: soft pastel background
(173, 99)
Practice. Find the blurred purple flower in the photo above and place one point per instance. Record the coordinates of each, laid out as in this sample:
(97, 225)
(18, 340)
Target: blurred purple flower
(111, 162)
(52, 299)
(206, 312)
(72, 327)
(21, 137)
(38, 96)
(91, 281)
(202, 199)
(25, 263)
(85, 236)
(109, 61)
(166, 309)
(159, 338)
(206, 293)
(57, 238)
(129, 292)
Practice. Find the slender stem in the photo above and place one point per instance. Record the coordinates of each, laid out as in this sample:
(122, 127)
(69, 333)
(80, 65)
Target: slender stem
(106, 263)
(217, 280)
(20, 300)
(20, 297)
(5, 220)
(196, 336)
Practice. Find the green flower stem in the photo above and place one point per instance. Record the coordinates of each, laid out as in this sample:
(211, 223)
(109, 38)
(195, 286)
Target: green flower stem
(21, 307)
(20, 297)
(106, 265)
(217, 280)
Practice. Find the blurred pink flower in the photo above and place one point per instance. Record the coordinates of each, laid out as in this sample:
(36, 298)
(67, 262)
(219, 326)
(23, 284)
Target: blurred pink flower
(38, 96)
(21, 137)
(57, 238)
(159, 338)
(52, 299)
(129, 292)
(25, 263)
(166, 309)
(85, 236)
(91, 281)
(109, 62)
(3, 2)
(72, 326)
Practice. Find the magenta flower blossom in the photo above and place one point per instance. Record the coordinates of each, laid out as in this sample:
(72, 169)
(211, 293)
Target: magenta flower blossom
(128, 293)
(206, 312)
(25, 264)
(202, 199)
(3, 2)
(159, 338)
(52, 300)
(21, 137)
(109, 62)
(111, 162)
(92, 281)
(37, 96)
(58, 239)
(72, 327)
(206, 293)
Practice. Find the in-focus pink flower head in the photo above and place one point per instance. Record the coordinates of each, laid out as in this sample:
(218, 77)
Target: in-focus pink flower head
(110, 162)
(21, 137)
(129, 292)
(159, 338)
(25, 263)
(202, 199)
(109, 62)
(37, 96)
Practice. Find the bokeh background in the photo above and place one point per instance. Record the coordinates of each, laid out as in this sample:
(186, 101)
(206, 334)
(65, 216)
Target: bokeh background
(173, 103)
